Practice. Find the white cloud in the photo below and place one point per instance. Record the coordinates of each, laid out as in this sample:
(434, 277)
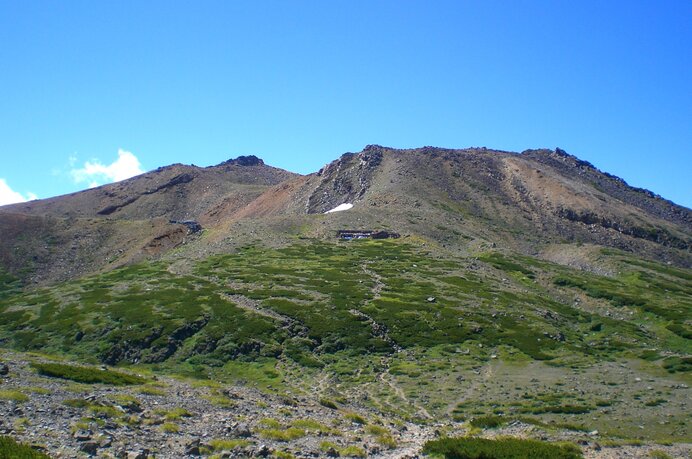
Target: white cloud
(95, 173)
(9, 196)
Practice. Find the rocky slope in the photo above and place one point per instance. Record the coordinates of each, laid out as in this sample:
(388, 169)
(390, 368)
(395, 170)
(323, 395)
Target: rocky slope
(69, 236)
(522, 201)
(172, 418)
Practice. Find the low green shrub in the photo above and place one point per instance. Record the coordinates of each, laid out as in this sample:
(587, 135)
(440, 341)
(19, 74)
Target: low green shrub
(376, 430)
(13, 395)
(177, 413)
(503, 448)
(488, 422)
(559, 409)
(311, 425)
(656, 402)
(270, 423)
(356, 418)
(10, 449)
(658, 454)
(352, 451)
(76, 403)
(292, 433)
(678, 364)
(148, 390)
(221, 444)
(86, 375)
(328, 403)
(170, 427)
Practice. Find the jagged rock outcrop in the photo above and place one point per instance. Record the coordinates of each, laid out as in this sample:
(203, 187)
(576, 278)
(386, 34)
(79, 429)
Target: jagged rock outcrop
(250, 160)
(345, 180)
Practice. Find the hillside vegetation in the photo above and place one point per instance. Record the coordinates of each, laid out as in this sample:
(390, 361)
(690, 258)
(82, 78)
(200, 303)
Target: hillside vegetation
(391, 319)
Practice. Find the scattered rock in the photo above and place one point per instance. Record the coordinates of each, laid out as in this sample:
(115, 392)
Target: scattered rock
(264, 451)
(141, 454)
(89, 447)
(192, 449)
(82, 435)
(241, 431)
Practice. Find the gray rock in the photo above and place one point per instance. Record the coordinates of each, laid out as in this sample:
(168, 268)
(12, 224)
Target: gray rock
(4, 369)
(82, 435)
(264, 451)
(192, 449)
(89, 447)
(106, 442)
(241, 431)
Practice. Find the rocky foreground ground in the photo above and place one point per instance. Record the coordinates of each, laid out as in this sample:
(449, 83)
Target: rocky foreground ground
(172, 418)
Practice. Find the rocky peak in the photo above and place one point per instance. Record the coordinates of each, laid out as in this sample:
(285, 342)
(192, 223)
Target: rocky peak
(373, 148)
(559, 158)
(250, 160)
(345, 180)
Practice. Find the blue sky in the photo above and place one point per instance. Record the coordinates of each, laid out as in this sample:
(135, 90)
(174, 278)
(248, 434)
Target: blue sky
(94, 91)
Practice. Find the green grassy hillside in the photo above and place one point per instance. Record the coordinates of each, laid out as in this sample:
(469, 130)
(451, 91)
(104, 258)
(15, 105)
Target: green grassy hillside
(393, 326)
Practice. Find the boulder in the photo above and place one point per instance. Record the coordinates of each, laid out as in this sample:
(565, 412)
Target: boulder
(192, 449)
(89, 447)
(82, 435)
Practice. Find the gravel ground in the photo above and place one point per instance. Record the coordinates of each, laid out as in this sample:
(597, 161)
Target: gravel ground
(171, 418)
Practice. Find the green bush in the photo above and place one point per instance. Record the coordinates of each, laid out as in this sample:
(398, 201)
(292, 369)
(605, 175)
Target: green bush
(86, 375)
(289, 434)
(658, 454)
(488, 422)
(176, 414)
(328, 403)
(356, 418)
(10, 449)
(170, 427)
(504, 448)
(560, 409)
(681, 330)
(678, 364)
(220, 444)
(13, 395)
(352, 451)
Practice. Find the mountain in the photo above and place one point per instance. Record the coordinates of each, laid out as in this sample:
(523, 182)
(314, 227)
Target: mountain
(104, 227)
(468, 291)
(525, 202)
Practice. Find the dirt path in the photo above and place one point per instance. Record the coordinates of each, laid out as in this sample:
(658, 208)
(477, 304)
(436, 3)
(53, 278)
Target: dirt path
(386, 378)
(486, 374)
(379, 285)
(254, 306)
(412, 443)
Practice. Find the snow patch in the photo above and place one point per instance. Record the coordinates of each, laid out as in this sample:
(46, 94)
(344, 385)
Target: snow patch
(340, 207)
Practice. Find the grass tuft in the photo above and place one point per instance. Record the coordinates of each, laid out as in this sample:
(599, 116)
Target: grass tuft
(14, 396)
